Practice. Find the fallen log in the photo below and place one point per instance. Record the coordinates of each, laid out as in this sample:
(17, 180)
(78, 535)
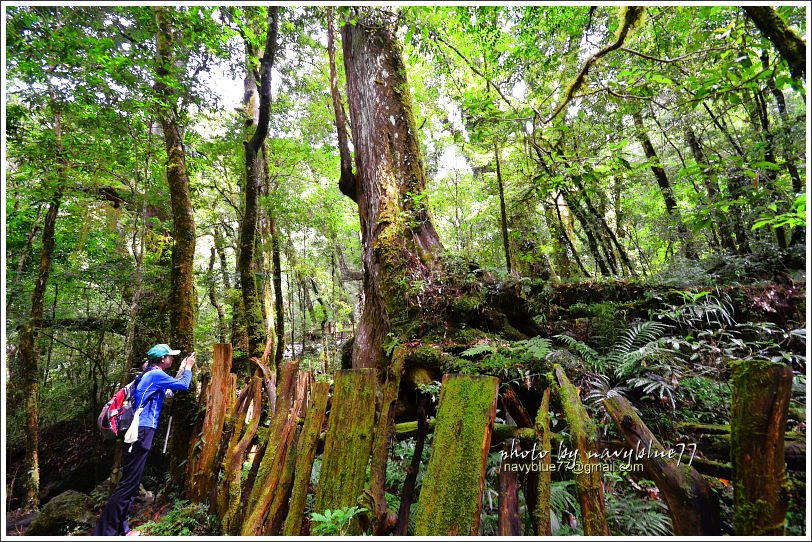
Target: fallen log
(693, 506)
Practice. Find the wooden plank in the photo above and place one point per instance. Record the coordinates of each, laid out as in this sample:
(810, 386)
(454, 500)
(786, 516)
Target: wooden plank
(305, 454)
(588, 477)
(451, 498)
(349, 440)
(541, 510)
(283, 479)
(229, 496)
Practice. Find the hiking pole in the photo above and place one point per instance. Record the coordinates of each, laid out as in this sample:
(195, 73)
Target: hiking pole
(172, 406)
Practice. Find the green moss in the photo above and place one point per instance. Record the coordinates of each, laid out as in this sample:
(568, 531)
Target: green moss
(349, 440)
(452, 487)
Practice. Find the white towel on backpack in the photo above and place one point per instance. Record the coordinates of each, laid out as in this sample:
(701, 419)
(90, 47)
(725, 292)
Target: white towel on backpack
(132, 433)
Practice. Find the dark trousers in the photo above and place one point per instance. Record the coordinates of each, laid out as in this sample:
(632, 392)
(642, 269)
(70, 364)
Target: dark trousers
(113, 521)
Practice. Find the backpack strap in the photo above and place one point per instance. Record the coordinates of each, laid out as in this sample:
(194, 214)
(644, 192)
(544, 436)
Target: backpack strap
(149, 397)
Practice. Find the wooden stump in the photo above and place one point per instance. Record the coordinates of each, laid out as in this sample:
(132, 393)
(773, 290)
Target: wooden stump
(305, 453)
(588, 477)
(758, 419)
(203, 452)
(349, 440)
(693, 506)
(229, 497)
(451, 498)
(278, 443)
(510, 523)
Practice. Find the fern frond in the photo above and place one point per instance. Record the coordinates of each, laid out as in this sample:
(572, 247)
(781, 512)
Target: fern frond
(641, 334)
(477, 349)
(590, 356)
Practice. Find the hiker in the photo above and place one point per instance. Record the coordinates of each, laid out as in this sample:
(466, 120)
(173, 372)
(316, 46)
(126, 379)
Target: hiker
(149, 395)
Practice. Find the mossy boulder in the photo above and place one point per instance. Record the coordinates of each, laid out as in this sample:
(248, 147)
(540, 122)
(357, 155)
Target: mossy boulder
(66, 513)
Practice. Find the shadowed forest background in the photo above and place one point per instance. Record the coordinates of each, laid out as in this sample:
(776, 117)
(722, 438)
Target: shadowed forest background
(558, 226)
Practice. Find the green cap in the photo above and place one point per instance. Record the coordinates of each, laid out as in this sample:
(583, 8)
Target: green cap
(160, 350)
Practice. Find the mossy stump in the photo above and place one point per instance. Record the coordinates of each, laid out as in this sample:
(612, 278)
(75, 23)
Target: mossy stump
(451, 498)
(348, 444)
(693, 506)
(758, 419)
(305, 453)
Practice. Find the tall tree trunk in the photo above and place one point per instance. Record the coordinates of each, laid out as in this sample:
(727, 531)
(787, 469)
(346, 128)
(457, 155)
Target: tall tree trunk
(575, 207)
(278, 295)
(184, 300)
(248, 228)
(502, 211)
(27, 354)
(400, 244)
(712, 189)
(758, 420)
(346, 183)
(664, 184)
(791, 46)
(221, 315)
(797, 235)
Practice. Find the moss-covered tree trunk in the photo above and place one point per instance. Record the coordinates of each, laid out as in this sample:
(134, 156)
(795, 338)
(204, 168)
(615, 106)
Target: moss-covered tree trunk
(184, 301)
(252, 308)
(758, 419)
(694, 507)
(451, 498)
(583, 434)
(791, 47)
(400, 244)
(27, 358)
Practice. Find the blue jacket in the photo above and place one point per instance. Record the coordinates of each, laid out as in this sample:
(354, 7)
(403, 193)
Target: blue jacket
(156, 379)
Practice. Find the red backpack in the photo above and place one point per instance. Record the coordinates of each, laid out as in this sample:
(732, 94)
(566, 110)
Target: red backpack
(117, 414)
